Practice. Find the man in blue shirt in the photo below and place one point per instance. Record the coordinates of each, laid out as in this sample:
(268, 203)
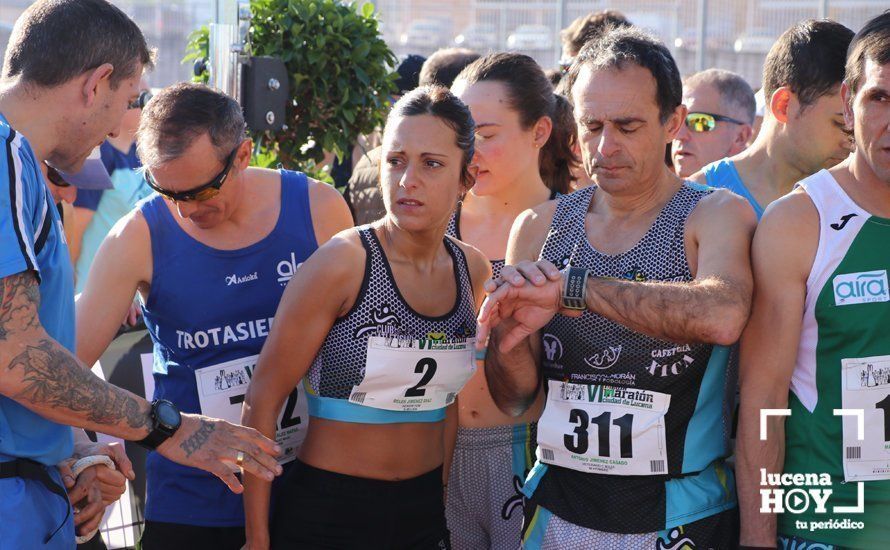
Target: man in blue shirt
(57, 103)
(803, 127)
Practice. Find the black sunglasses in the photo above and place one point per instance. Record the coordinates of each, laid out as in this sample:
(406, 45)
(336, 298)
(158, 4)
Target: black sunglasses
(141, 101)
(55, 177)
(200, 193)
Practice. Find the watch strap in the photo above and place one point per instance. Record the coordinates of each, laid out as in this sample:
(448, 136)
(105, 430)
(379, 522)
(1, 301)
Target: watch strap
(574, 290)
(159, 432)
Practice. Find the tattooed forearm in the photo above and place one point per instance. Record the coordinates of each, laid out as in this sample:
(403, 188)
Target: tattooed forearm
(19, 304)
(198, 439)
(54, 384)
(706, 311)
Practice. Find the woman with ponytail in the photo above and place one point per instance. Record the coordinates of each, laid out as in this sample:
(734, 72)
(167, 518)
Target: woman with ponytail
(523, 157)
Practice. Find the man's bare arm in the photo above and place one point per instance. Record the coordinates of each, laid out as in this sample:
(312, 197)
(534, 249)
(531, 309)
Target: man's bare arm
(514, 377)
(711, 309)
(122, 262)
(41, 375)
(782, 253)
(37, 372)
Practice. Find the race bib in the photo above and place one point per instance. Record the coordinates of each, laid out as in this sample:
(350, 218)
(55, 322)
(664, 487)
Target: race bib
(866, 387)
(604, 429)
(414, 375)
(221, 390)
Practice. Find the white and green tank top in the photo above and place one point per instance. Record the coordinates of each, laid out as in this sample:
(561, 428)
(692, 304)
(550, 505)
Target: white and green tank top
(843, 362)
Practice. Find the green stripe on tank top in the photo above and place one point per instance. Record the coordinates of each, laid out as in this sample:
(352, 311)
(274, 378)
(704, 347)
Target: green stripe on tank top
(814, 441)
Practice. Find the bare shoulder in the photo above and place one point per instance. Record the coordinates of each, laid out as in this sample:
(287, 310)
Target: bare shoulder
(698, 177)
(537, 218)
(344, 252)
(794, 208)
(328, 209)
(130, 238)
(478, 264)
(322, 194)
(529, 232)
(787, 237)
(723, 208)
(792, 219)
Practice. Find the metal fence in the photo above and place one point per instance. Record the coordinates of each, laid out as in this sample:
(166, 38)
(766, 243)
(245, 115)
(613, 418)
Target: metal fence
(735, 34)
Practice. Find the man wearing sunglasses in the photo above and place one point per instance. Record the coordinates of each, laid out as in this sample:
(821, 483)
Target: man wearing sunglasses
(210, 257)
(57, 103)
(803, 128)
(718, 124)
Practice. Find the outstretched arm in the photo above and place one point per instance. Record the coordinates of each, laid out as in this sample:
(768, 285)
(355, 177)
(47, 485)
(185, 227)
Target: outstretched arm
(41, 375)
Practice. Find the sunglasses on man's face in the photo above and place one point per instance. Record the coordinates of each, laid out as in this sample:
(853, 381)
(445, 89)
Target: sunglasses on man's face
(200, 193)
(141, 101)
(705, 122)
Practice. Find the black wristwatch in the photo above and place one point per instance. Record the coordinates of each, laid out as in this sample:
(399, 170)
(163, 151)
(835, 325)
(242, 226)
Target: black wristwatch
(165, 420)
(574, 289)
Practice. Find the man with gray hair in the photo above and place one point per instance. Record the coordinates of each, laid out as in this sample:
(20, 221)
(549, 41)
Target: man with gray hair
(629, 338)
(209, 257)
(721, 112)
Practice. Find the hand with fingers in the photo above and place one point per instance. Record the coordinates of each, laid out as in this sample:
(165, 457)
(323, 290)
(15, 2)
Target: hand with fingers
(134, 312)
(525, 297)
(112, 481)
(217, 446)
(85, 495)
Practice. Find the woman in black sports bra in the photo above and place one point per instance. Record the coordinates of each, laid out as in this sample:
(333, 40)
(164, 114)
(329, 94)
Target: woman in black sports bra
(379, 324)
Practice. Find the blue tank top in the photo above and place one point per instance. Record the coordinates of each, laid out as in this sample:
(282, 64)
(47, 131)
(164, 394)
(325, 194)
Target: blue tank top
(723, 175)
(207, 307)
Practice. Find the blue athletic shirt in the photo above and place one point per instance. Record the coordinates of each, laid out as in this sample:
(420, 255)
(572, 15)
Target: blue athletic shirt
(207, 307)
(31, 239)
(109, 205)
(723, 175)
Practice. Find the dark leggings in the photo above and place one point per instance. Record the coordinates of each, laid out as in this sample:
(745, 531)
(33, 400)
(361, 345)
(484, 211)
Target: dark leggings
(318, 509)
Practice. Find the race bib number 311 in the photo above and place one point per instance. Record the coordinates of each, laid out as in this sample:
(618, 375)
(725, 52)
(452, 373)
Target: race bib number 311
(866, 387)
(221, 390)
(414, 375)
(604, 429)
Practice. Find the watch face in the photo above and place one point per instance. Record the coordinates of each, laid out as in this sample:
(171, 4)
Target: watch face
(167, 415)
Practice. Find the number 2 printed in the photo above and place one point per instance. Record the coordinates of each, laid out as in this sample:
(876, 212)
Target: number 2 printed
(427, 366)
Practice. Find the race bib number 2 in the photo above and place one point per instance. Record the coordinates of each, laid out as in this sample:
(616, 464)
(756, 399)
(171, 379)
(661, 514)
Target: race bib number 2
(604, 429)
(221, 390)
(866, 387)
(414, 375)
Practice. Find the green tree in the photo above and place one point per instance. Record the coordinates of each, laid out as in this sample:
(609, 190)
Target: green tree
(340, 72)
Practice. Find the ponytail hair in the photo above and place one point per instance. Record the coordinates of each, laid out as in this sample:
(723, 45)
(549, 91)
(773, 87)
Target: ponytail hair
(530, 94)
(557, 156)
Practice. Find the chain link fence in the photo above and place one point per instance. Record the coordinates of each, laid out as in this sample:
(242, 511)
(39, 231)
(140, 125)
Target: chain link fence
(730, 34)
